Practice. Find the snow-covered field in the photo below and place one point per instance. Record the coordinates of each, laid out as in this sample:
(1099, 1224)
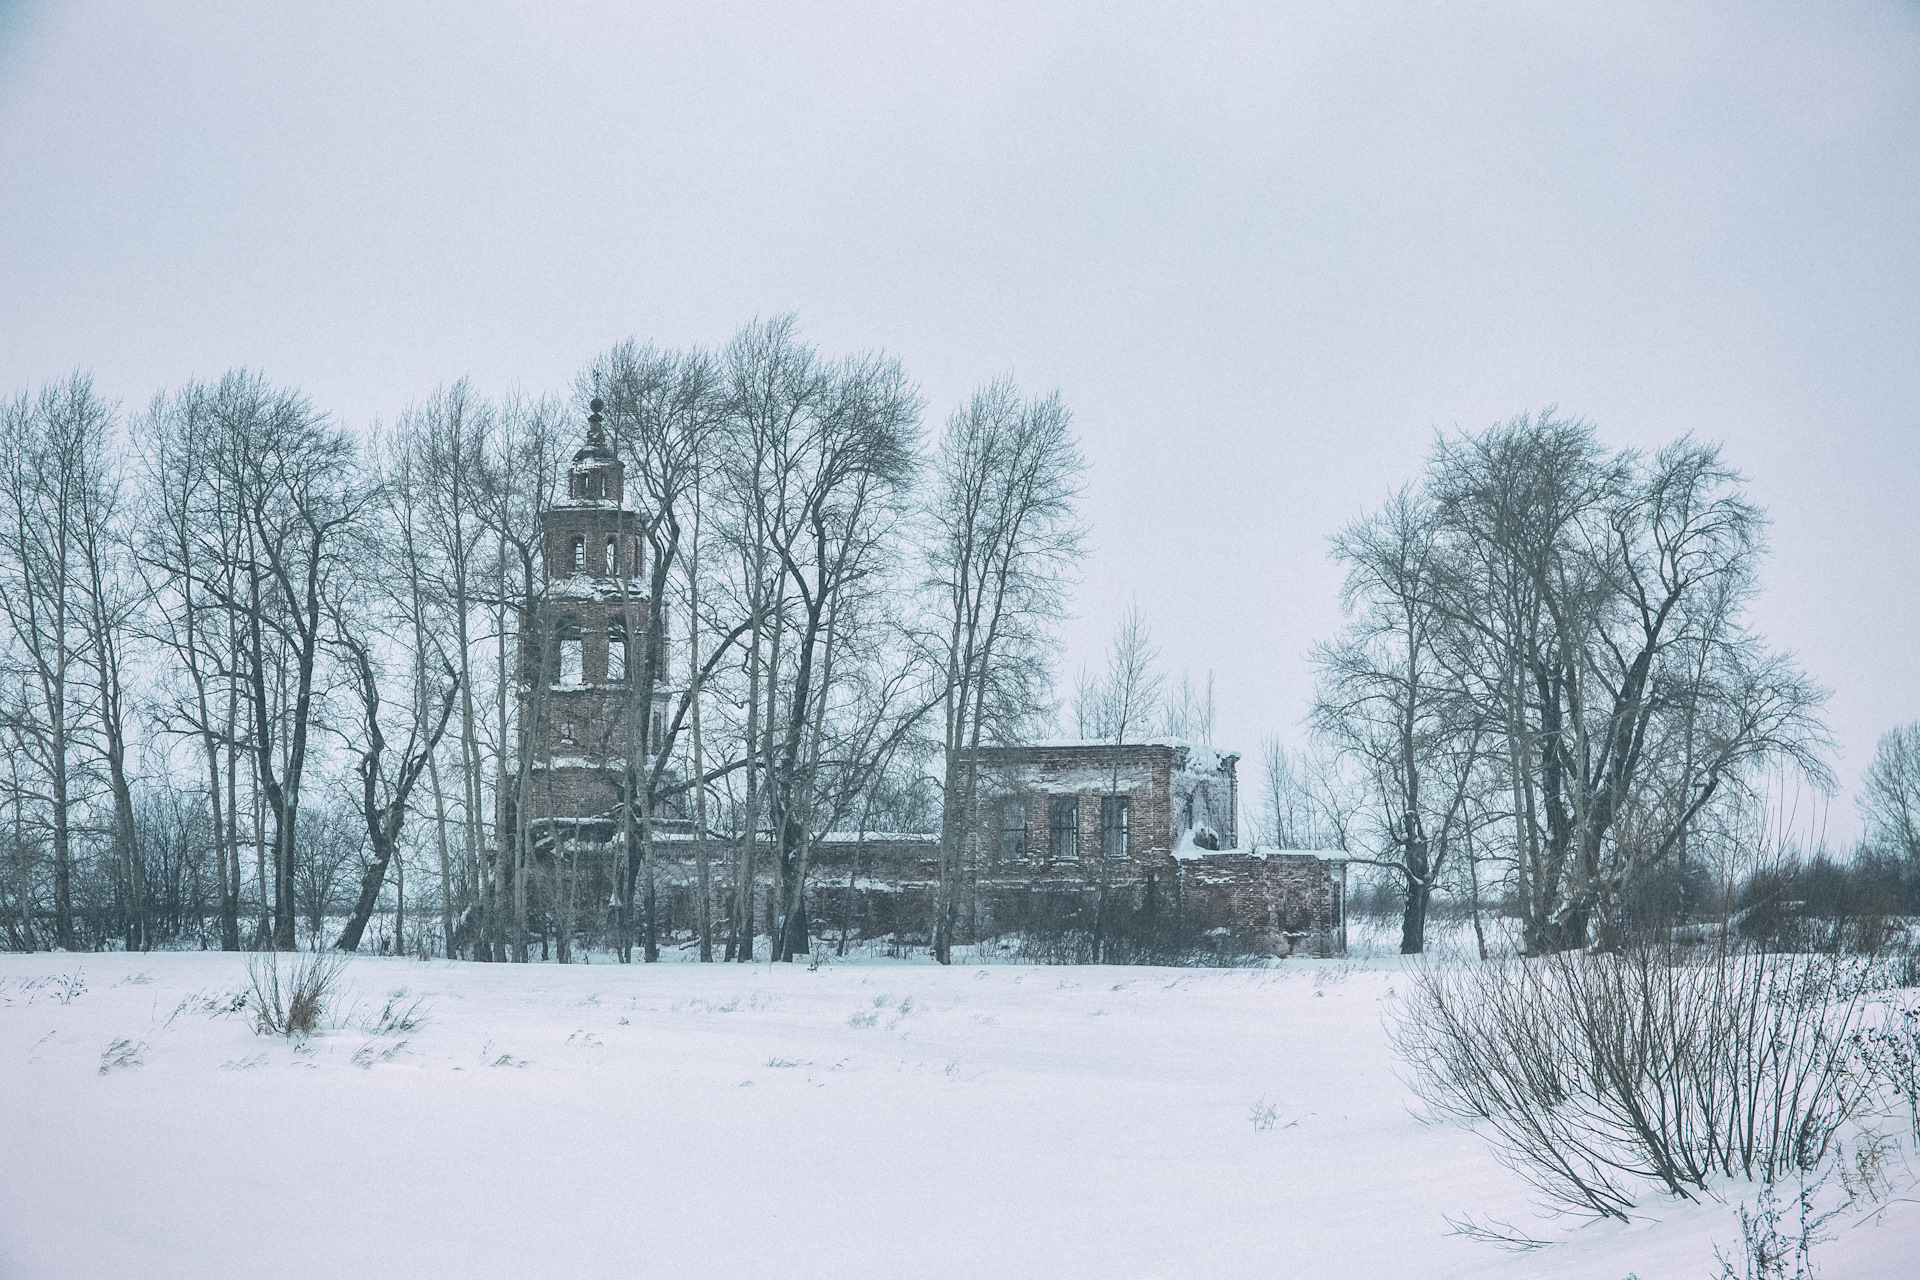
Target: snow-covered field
(883, 1119)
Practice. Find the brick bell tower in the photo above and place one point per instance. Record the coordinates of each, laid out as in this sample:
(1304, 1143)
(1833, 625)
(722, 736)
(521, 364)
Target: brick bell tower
(577, 699)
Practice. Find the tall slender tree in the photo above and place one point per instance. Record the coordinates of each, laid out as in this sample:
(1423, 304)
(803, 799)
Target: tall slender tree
(1005, 538)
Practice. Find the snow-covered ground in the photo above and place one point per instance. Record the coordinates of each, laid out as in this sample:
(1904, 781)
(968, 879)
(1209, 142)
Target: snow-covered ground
(870, 1118)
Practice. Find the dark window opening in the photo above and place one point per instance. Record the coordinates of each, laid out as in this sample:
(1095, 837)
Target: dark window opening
(1113, 825)
(566, 731)
(612, 563)
(1063, 827)
(1013, 830)
(571, 665)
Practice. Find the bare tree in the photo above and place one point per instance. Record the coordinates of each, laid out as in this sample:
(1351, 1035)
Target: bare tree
(517, 484)
(1889, 797)
(188, 532)
(52, 445)
(383, 794)
(1300, 805)
(1190, 711)
(1388, 698)
(448, 437)
(1118, 706)
(295, 496)
(112, 598)
(854, 462)
(1596, 604)
(1005, 540)
(329, 839)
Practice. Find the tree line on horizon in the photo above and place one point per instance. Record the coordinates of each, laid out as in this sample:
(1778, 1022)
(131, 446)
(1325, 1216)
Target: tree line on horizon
(259, 664)
(266, 676)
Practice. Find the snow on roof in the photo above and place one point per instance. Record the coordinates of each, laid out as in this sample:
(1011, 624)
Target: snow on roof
(583, 587)
(1198, 754)
(1187, 851)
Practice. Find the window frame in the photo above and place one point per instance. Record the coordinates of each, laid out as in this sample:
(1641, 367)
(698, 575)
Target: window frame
(1017, 835)
(1063, 833)
(569, 656)
(1112, 807)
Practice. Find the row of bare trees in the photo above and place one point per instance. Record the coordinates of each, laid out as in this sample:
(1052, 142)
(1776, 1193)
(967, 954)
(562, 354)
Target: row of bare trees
(232, 602)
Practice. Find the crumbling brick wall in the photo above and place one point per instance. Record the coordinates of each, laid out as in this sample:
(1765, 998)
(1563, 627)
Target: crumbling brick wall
(1268, 904)
(1287, 903)
(1258, 903)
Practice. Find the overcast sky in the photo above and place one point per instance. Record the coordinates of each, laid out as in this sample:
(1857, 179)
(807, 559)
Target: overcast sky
(1264, 255)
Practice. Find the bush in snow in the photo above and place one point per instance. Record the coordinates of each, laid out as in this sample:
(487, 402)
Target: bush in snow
(293, 1003)
(1597, 1075)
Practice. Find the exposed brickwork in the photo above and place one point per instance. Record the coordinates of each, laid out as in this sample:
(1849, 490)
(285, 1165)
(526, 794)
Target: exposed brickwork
(576, 696)
(1271, 903)
(1288, 903)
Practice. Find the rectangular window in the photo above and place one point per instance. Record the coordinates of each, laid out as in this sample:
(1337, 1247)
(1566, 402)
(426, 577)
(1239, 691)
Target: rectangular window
(1013, 830)
(1063, 827)
(579, 554)
(612, 565)
(566, 731)
(573, 660)
(1113, 825)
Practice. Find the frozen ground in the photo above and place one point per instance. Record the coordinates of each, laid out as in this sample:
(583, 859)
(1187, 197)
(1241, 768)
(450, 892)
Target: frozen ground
(895, 1120)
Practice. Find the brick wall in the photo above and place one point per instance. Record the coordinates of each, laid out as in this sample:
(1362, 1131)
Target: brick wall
(1272, 904)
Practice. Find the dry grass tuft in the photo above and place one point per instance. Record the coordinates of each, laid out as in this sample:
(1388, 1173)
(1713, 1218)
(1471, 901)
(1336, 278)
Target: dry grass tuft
(292, 1002)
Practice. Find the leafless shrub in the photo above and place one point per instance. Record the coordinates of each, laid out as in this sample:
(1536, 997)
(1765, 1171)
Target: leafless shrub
(1593, 1075)
(293, 1003)
(1263, 1115)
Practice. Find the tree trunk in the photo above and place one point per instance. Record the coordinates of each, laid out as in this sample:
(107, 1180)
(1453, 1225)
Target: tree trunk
(1413, 920)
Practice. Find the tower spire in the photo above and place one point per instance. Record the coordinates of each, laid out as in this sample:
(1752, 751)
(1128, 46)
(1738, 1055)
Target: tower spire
(595, 452)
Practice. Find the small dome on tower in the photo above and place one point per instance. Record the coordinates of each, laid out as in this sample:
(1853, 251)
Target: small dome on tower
(596, 447)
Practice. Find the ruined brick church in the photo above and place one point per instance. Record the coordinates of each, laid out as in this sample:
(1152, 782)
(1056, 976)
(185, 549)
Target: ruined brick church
(1149, 831)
